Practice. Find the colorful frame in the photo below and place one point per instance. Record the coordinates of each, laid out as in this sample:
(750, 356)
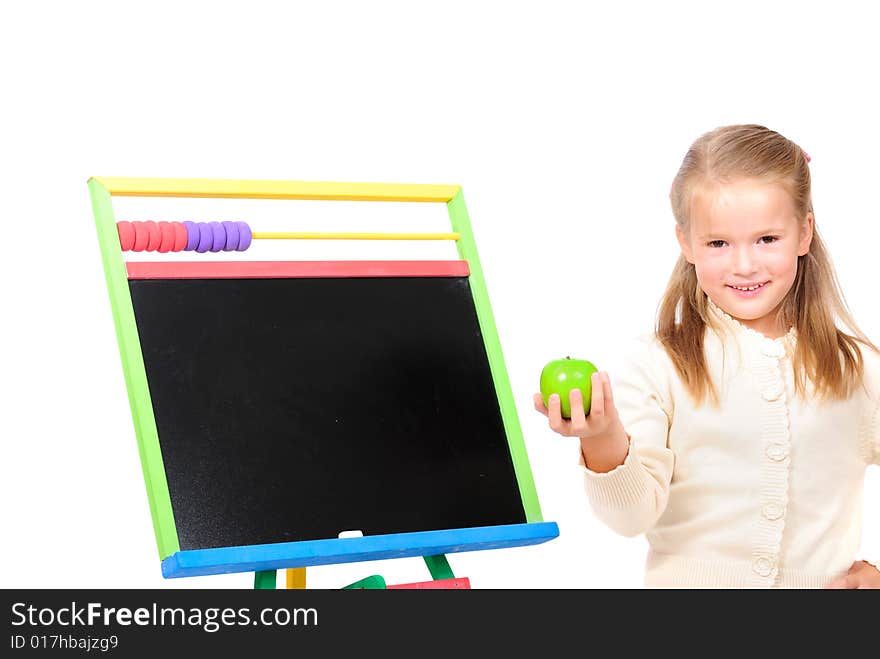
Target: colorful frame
(265, 557)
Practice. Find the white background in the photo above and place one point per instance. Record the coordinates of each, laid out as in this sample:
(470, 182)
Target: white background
(564, 123)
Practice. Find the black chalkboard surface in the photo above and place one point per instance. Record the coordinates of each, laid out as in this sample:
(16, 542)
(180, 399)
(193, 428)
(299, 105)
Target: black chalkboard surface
(297, 408)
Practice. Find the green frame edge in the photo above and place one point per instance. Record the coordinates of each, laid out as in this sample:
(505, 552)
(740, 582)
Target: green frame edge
(134, 371)
(467, 250)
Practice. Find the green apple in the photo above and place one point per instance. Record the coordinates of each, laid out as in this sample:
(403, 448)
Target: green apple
(560, 376)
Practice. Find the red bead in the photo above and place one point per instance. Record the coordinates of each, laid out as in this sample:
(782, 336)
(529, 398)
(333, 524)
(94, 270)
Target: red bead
(126, 235)
(180, 237)
(154, 235)
(166, 240)
(141, 237)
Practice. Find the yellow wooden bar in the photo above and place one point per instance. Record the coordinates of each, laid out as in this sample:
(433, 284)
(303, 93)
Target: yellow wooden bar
(286, 235)
(252, 189)
(296, 577)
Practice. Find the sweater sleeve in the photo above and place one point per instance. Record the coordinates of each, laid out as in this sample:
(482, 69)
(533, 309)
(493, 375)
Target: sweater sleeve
(874, 433)
(631, 497)
(871, 423)
(872, 427)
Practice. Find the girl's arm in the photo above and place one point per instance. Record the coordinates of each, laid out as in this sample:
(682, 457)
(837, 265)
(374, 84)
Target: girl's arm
(866, 574)
(631, 497)
(627, 464)
(871, 422)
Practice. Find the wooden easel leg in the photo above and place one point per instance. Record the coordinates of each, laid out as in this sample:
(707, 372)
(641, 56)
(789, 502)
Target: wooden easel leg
(296, 577)
(438, 566)
(373, 582)
(264, 580)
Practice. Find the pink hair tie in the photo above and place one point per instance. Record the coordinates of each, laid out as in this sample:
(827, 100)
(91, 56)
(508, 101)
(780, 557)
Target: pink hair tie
(807, 156)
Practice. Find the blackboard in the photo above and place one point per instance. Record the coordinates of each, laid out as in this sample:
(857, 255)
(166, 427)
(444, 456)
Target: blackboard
(293, 409)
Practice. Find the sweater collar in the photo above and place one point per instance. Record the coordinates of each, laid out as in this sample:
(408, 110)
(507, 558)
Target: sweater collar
(776, 347)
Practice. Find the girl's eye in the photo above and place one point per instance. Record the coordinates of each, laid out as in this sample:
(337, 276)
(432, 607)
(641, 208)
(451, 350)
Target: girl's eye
(716, 243)
(768, 239)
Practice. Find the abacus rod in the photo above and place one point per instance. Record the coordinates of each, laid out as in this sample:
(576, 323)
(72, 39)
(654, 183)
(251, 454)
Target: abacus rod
(287, 235)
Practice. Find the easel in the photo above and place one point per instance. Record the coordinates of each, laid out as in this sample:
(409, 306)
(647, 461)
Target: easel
(265, 558)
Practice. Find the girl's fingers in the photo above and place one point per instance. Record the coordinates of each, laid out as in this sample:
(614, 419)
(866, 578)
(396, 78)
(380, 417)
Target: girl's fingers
(606, 390)
(578, 417)
(554, 406)
(597, 398)
(846, 582)
(850, 582)
(555, 416)
(539, 404)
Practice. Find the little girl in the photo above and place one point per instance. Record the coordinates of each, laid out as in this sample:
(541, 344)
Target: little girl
(739, 432)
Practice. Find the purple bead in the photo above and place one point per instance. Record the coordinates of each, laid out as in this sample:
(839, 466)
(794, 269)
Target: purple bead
(219, 236)
(244, 236)
(192, 236)
(232, 234)
(206, 238)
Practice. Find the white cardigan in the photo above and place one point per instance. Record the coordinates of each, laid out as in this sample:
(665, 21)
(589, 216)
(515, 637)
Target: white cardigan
(765, 491)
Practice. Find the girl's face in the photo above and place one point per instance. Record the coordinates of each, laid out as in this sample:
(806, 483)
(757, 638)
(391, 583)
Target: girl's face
(744, 241)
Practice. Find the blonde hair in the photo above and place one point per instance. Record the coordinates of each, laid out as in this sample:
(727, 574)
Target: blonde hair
(830, 358)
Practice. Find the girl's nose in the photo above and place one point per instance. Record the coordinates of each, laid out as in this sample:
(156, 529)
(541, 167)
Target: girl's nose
(744, 261)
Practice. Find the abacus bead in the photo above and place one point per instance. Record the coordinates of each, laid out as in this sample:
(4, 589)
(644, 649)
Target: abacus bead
(206, 238)
(141, 237)
(231, 229)
(219, 236)
(166, 240)
(180, 236)
(126, 235)
(192, 235)
(244, 236)
(154, 235)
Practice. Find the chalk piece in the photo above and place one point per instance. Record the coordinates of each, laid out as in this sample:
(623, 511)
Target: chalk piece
(351, 534)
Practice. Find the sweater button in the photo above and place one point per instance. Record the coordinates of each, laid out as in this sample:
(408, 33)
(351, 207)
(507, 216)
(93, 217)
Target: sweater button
(776, 451)
(763, 566)
(772, 511)
(772, 393)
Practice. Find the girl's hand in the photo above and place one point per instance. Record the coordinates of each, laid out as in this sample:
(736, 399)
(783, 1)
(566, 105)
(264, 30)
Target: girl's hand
(604, 442)
(860, 575)
(602, 421)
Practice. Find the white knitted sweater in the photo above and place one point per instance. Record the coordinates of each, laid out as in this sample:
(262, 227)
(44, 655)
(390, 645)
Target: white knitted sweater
(765, 491)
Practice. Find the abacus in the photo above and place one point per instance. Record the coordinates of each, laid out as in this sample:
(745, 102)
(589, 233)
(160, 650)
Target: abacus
(260, 391)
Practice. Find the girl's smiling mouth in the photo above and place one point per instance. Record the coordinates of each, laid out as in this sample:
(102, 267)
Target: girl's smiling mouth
(747, 290)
